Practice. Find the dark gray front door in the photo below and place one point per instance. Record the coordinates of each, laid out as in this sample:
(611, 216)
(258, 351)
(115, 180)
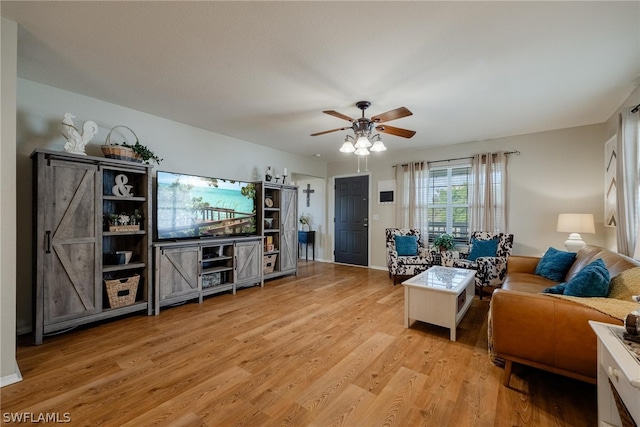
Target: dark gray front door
(352, 220)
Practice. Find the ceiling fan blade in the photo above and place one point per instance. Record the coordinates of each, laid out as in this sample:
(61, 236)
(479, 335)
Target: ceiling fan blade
(405, 133)
(398, 113)
(329, 131)
(338, 115)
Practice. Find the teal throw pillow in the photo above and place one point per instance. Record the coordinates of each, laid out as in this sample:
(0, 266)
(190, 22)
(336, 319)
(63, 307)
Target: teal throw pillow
(591, 281)
(555, 264)
(557, 289)
(406, 245)
(480, 248)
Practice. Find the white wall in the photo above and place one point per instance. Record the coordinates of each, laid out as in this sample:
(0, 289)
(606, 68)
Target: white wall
(316, 211)
(9, 372)
(184, 148)
(559, 171)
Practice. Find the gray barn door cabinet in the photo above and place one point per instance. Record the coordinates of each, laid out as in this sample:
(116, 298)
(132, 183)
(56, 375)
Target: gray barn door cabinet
(78, 277)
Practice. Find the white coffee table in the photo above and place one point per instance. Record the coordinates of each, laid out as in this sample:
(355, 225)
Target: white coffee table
(440, 296)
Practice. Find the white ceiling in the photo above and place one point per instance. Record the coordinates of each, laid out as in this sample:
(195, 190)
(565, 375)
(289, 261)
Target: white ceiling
(264, 71)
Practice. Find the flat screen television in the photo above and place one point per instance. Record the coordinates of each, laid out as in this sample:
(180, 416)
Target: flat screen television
(190, 207)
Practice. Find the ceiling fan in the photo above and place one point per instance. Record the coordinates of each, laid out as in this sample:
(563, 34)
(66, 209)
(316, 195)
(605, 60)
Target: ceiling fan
(363, 127)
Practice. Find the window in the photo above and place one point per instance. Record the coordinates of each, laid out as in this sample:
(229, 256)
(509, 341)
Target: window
(455, 199)
(448, 202)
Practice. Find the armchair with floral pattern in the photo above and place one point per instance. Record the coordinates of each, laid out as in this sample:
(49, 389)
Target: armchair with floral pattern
(408, 264)
(490, 270)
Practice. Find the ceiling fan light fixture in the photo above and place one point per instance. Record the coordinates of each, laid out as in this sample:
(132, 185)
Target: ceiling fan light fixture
(347, 147)
(378, 146)
(363, 142)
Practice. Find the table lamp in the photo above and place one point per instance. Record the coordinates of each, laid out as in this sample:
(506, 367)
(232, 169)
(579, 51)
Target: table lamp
(575, 224)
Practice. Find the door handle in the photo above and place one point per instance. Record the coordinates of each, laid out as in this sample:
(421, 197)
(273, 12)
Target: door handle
(48, 234)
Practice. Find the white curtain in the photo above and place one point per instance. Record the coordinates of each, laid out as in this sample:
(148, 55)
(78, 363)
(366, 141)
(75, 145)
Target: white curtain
(627, 176)
(412, 182)
(488, 192)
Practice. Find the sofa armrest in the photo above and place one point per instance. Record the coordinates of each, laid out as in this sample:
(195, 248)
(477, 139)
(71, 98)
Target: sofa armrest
(448, 257)
(543, 331)
(491, 270)
(392, 257)
(424, 253)
(522, 264)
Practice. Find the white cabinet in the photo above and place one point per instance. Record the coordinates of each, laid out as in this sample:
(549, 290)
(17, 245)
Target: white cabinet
(620, 369)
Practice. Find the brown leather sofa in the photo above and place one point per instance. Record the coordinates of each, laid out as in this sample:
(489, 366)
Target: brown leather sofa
(546, 332)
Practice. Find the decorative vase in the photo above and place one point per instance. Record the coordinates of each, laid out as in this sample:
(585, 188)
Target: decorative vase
(269, 174)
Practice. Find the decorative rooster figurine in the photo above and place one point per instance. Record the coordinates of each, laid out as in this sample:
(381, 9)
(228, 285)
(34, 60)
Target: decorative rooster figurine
(75, 141)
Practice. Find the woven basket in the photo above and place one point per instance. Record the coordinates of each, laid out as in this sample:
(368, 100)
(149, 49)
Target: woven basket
(122, 292)
(113, 151)
(269, 263)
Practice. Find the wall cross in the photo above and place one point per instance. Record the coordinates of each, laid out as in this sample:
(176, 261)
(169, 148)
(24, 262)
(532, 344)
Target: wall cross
(308, 191)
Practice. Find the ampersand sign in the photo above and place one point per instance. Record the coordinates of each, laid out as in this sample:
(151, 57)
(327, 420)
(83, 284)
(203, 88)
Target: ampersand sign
(121, 189)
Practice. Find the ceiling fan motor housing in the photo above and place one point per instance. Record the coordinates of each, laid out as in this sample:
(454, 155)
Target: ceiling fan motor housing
(362, 126)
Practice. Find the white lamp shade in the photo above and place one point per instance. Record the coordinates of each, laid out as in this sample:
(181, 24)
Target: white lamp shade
(378, 146)
(347, 147)
(576, 223)
(362, 152)
(363, 142)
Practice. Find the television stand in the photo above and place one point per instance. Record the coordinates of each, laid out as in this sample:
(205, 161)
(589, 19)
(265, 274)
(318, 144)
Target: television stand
(193, 269)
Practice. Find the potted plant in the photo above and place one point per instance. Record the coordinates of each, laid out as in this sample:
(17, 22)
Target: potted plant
(123, 221)
(134, 153)
(305, 221)
(444, 242)
(143, 153)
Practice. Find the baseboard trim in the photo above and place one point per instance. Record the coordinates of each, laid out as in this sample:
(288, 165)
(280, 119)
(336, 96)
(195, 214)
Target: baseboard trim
(16, 377)
(313, 260)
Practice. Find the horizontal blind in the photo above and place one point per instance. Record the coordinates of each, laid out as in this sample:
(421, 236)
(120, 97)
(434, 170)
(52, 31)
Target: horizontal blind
(448, 201)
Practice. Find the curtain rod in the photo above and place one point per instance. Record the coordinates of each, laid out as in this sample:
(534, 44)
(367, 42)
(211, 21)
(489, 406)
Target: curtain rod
(635, 109)
(516, 152)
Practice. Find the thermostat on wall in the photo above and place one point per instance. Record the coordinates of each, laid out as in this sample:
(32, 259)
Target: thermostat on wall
(386, 197)
(386, 192)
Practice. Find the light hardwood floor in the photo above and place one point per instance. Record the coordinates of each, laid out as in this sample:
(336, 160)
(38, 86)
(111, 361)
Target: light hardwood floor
(325, 348)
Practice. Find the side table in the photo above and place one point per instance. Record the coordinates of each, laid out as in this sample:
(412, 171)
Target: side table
(618, 378)
(307, 238)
